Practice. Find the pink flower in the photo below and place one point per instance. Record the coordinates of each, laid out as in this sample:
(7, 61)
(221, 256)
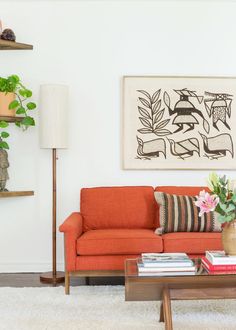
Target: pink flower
(206, 202)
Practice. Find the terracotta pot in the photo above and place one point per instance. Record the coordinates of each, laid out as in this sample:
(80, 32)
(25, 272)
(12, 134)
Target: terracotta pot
(5, 100)
(229, 238)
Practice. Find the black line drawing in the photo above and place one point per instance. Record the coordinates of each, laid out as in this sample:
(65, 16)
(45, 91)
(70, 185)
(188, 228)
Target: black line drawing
(185, 148)
(185, 110)
(216, 147)
(218, 106)
(152, 114)
(152, 148)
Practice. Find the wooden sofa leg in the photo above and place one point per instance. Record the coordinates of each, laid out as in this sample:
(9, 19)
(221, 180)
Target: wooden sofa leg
(67, 282)
(87, 280)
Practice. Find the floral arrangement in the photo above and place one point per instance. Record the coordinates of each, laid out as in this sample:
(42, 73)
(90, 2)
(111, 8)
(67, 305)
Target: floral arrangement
(221, 198)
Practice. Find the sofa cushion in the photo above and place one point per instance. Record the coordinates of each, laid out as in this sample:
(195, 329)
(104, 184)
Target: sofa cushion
(118, 241)
(191, 243)
(178, 213)
(118, 207)
(178, 190)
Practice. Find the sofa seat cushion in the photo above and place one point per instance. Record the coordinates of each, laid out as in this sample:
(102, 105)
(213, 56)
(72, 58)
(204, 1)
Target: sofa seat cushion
(118, 241)
(191, 243)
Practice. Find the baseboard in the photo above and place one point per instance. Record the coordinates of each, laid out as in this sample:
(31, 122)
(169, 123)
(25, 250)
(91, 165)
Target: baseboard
(34, 267)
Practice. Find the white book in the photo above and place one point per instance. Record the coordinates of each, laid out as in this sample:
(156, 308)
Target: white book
(166, 259)
(143, 269)
(220, 258)
(167, 274)
(165, 256)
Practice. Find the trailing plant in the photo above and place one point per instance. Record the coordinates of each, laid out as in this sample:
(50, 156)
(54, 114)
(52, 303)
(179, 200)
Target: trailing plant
(152, 114)
(22, 105)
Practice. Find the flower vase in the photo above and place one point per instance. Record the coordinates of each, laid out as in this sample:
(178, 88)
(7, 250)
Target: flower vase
(229, 238)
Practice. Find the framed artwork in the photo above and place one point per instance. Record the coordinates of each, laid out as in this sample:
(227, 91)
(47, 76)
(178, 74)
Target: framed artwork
(179, 122)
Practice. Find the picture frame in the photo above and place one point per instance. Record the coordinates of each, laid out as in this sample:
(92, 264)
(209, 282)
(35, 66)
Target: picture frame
(179, 122)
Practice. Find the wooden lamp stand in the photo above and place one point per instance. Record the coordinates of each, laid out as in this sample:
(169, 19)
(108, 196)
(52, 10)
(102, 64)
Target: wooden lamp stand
(54, 277)
(53, 130)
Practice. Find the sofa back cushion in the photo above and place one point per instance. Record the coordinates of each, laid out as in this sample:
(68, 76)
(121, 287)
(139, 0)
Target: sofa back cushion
(179, 190)
(118, 207)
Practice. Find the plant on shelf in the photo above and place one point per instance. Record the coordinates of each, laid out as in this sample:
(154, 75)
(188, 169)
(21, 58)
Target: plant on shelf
(17, 103)
(222, 199)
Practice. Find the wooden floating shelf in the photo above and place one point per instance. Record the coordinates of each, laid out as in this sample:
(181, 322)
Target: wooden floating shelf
(11, 45)
(10, 119)
(16, 193)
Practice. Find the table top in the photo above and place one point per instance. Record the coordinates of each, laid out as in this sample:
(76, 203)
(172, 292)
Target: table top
(131, 271)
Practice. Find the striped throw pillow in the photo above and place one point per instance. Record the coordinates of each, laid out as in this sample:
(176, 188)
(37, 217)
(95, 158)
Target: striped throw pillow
(179, 213)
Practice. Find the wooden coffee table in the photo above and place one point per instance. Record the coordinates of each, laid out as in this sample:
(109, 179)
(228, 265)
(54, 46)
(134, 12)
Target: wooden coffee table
(192, 287)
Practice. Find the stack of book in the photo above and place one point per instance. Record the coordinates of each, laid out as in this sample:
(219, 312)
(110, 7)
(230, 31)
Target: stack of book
(217, 262)
(165, 264)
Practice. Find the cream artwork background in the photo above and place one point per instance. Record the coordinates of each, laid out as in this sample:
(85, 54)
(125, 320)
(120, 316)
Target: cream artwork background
(179, 122)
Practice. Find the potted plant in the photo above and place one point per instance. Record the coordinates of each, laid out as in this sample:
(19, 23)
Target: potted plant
(222, 200)
(16, 104)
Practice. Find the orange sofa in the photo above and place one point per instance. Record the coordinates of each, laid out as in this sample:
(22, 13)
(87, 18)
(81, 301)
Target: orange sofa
(116, 223)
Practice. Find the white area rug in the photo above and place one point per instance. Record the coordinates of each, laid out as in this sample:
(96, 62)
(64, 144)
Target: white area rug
(103, 307)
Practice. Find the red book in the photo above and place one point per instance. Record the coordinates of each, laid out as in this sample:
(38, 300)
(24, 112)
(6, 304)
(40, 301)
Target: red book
(212, 268)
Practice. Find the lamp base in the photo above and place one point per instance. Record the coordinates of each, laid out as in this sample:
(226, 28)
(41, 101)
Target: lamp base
(50, 278)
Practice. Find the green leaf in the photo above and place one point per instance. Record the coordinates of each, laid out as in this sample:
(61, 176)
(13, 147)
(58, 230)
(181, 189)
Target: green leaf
(228, 218)
(20, 111)
(28, 93)
(230, 208)
(28, 121)
(4, 135)
(17, 123)
(221, 218)
(4, 145)
(22, 92)
(3, 124)
(31, 105)
(14, 104)
(14, 78)
(223, 206)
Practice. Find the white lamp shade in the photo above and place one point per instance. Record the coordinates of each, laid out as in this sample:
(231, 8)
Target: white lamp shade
(53, 116)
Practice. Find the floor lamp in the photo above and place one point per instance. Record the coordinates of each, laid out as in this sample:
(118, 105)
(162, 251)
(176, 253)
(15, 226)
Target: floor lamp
(53, 135)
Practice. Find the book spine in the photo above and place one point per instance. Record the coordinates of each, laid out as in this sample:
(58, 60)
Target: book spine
(167, 274)
(220, 272)
(217, 267)
(162, 264)
(166, 269)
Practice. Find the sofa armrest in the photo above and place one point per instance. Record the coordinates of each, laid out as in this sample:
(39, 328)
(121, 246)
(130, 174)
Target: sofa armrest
(72, 228)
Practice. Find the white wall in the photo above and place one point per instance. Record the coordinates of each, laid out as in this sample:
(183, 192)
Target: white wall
(90, 45)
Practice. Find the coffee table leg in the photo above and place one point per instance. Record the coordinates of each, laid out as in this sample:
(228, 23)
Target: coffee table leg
(167, 309)
(161, 313)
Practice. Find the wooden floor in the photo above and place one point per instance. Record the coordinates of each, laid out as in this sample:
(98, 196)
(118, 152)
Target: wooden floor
(32, 280)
